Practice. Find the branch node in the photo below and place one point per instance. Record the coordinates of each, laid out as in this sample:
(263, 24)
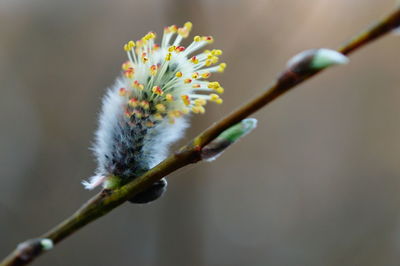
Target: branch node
(29, 249)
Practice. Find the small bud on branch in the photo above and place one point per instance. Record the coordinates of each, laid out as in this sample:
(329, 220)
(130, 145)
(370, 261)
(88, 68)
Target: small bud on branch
(28, 250)
(308, 63)
(316, 59)
(216, 147)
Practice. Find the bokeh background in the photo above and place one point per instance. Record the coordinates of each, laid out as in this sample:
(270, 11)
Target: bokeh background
(318, 183)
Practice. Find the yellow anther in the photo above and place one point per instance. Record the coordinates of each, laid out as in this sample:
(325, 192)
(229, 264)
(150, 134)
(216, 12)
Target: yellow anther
(188, 25)
(194, 60)
(219, 90)
(126, 48)
(216, 52)
(157, 90)
(133, 102)
(185, 99)
(198, 109)
(137, 113)
(145, 105)
(171, 48)
(213, 85)
(131, 44)
(178, 74)
(137, 85)
(150, 35)
(160, 107)
(153, 70)
(197, 38)
(173, 28)
(200, 102)
(208, 62)
(157, 116)
(208, 39)
(126, 65)
(168, 57)
(195, 75)
(214, 59)
(169, 97)
(206, 75)
(214, 97)
(179, 49)
(128, 114)
(221, 67)
(187, 81)
(183, 32)
(129, 72)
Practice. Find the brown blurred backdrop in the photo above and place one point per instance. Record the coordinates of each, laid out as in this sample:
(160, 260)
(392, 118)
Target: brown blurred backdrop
(318, 183)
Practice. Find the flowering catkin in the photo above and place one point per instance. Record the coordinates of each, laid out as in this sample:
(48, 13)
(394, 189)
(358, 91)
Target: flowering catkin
(146, 109)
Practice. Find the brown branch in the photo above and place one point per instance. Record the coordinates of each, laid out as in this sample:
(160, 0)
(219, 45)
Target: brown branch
(107, 200)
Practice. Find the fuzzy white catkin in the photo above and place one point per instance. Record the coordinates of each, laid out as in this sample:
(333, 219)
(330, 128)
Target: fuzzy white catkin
(111, 135)
(146, 109)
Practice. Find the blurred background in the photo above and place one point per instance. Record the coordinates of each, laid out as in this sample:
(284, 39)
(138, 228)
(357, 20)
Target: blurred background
(318, 182)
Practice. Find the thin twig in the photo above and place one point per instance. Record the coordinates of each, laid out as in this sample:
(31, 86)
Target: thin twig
(107, 200)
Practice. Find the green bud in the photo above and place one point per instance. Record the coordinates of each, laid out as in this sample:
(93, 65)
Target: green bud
(315, 59)
(46, 244)
(112, 182)
(324, 58)
(215, 148)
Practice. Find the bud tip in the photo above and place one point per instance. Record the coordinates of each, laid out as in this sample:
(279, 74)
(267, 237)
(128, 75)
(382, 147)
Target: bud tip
(216, 147)
(315, 59)
(46, 244)
(324, 58)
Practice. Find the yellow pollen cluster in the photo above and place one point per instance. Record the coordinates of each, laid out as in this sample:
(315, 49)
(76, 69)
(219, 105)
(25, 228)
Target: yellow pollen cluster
(216, 86)
(165, 82)
(185, 99)
(157, 90)
(153, 70)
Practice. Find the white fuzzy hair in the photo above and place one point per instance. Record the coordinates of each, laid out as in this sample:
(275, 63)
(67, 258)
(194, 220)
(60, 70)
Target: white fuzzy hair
(155, 143)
